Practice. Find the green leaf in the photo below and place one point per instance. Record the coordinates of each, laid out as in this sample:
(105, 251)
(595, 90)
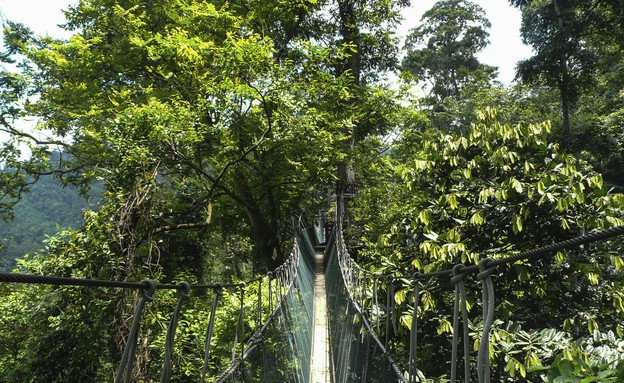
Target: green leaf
(444, 327)
(517, 224)
(425, 216)
(431, 235)
(620, 370)
(478, 218)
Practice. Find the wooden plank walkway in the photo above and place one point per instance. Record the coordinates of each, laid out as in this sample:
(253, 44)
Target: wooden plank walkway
(321, 369)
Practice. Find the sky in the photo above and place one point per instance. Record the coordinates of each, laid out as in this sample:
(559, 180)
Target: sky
(504, 51)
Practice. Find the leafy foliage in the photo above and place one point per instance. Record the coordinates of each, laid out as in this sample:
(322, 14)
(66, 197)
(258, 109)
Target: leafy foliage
(491, 192)
(210, 124)
(446, 191)
(41, 213)
(442, 50)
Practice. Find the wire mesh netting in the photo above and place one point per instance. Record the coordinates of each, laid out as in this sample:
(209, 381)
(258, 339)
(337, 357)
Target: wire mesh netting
(281, 350)
(358, 355)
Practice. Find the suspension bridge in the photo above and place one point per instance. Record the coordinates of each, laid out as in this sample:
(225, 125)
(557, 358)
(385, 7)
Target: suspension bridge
(321, 318)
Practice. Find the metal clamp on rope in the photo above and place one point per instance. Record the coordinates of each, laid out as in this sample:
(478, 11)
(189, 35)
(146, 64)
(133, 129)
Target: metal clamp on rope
(458, 275)
(184, 290)
(218, 288)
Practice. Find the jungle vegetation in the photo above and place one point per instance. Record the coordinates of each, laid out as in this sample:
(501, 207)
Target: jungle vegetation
(205, 126)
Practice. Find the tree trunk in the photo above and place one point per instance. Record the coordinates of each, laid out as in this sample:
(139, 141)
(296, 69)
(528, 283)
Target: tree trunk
(264, 227)
(265, 238)
(564, 84)
(350, 35)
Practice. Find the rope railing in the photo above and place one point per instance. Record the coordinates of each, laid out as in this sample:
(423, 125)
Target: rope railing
(368, 301)
(287, 287)
(358, 353)
(522, 256)
(279, 284)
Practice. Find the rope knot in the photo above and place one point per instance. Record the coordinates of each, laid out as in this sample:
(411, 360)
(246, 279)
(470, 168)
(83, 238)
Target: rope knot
(218, 288)
(243, 286)
(484, 270)
(270, 275)
(415, 278)
(147, 292)
(184, 290)
(458, 275)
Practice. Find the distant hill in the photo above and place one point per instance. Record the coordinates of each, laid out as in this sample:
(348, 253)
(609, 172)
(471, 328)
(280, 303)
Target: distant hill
(48, 207)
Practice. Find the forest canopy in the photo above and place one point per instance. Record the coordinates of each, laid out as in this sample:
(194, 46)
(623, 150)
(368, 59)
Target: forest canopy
(206, 126)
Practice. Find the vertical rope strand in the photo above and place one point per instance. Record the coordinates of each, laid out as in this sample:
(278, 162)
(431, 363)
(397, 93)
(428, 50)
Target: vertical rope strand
(364, 295)
(127, 359)
(460, 303)
(239, 323)
(209, 329)
(388, 309)
(183, 293)
(466, 331)
(270, 275)
(414, 334)
(259, 314)
(483, 357)
(376, 306)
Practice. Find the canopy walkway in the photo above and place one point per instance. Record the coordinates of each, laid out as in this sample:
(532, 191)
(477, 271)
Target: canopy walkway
(321, 318)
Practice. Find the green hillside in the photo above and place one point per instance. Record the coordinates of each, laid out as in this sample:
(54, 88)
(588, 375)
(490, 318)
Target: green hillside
(40, 214)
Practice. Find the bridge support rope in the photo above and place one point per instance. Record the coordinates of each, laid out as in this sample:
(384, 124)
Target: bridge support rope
(184, 295)
(127, 359)
(354, 293)
(358, 353)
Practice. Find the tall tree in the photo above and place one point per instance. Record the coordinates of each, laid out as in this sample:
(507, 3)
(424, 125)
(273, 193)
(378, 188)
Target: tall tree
(248, 102)
(366, 28)
(442, 49)
(562, 58)
(151, 96)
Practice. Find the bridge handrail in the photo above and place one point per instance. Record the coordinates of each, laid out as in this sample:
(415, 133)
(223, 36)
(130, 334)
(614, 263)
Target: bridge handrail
(284, 277)
(484, 270)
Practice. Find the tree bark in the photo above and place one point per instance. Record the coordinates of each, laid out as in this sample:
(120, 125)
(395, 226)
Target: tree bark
(564, 84)
(264, 228)
(350, 35)
(265, 238)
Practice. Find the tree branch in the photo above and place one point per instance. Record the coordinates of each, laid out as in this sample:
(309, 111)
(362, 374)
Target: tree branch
(253, 147)
(14, 132)
(181, 226)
